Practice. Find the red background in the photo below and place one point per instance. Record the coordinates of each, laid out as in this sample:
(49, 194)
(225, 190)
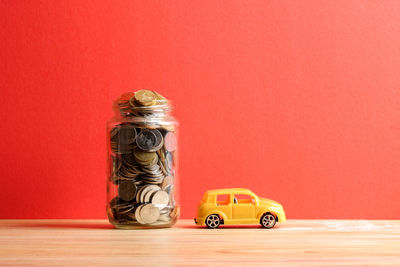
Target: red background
(297, 100)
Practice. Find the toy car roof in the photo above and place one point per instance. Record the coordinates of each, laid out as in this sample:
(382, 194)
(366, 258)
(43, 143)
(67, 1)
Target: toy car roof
(228, 191)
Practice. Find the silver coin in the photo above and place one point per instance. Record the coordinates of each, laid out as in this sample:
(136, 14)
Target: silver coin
(166, 210)
(147, 189)
(149, 213)
(160, 199)
(164, 217)
(170, 161)
(139, 193)
(137, 214)
(149, 195)
(149, 140)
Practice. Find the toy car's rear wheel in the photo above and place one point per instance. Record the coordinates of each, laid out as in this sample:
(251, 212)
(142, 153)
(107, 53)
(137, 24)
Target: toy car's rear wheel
(213, 221)
(268, 220)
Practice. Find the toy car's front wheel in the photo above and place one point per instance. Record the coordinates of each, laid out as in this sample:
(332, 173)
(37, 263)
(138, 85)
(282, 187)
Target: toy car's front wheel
(213, 221)
(268, 220)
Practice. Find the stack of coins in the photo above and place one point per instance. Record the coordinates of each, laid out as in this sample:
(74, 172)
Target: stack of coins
(142, 150)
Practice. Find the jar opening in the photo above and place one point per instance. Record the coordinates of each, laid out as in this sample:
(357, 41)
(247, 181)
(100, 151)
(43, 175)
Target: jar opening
(129, 105)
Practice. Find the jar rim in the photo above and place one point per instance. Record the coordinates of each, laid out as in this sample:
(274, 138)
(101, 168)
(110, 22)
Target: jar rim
(160, 109)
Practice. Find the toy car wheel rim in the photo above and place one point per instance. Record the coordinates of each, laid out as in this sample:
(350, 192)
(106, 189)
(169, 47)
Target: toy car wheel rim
(213, 221)
(268, 221)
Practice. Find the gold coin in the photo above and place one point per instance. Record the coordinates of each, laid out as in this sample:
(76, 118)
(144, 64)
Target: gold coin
(144, 157)
(145, 97)
(124, 98)
(158, 96)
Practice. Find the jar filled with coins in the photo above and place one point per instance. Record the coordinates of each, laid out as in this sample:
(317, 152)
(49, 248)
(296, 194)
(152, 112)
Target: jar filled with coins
(142, 157)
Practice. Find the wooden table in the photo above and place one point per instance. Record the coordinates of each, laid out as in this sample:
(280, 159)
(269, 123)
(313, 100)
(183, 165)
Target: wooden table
(298, 242)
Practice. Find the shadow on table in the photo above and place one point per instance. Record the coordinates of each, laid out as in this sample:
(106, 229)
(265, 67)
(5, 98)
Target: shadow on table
(104, 225)
(65, 225)
(226, 227)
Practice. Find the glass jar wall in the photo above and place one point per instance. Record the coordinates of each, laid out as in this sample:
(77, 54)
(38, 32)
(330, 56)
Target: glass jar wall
(142, 155)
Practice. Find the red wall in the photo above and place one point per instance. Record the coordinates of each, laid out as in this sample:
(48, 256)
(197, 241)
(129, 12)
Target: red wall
(297, 100)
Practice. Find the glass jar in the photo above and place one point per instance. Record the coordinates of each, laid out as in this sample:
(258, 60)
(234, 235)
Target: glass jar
(142, 156)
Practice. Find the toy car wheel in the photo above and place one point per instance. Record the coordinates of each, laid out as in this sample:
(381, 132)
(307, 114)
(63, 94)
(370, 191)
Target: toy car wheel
(268, 220)
(213, 221)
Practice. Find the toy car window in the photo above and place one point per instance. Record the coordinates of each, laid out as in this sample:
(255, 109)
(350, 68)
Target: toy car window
(243, 199)
(223, 199)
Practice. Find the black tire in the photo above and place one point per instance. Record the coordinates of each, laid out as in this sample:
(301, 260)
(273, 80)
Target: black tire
(213, 221)
(268, 220)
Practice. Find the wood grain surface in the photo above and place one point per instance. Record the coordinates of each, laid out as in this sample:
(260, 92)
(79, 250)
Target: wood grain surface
(298, 242)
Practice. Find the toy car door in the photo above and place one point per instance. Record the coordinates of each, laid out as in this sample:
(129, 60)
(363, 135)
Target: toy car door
(244, 208)
(224, 204)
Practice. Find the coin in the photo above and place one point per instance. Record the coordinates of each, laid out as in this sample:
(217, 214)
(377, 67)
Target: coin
(149, 213)
(139, 193)
(123, 102)
(122, 138)
(166, 182)
(175, 212)
(115, 165)
(143, 157)
(128, 159)
(170, 142)
(137, 214)
(168, 127)
(145, 98)
(164, 218)
(124, 98)
(160, 199)
(127, 134)
(158, 96)
(128, 171)
(165, 210)
(152, 174)
(114, 133)
(129, 216)
(148, 195)
(146, 189)
(149, 140)
(120, 207)
(127, 190)
(169, 161)
(170, 191)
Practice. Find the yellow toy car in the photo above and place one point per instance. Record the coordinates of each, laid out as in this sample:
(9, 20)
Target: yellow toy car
(238, 206)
